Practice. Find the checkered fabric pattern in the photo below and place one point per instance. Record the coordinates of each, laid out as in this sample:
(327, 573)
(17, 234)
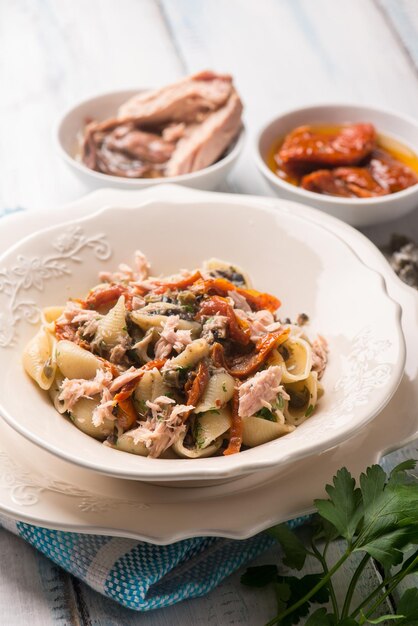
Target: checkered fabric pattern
(140, 575)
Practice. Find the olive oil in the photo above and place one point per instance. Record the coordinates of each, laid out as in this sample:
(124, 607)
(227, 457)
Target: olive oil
(391, 146)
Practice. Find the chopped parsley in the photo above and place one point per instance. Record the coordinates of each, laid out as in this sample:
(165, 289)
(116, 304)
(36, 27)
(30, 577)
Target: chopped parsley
(280, 402)
(142, 407)
(198, 435)
(224, 389)
(266, 414)
(213, 409)
(309, 410)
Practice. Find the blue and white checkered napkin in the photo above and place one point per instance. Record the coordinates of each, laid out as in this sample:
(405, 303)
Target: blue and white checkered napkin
(140, 575)
(143, 576)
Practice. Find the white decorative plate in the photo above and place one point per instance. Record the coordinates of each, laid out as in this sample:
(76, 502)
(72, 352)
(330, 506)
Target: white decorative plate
(39, 488)
(287, 253)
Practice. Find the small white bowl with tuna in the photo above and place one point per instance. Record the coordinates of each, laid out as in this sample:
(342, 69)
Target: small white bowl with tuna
(188, 133)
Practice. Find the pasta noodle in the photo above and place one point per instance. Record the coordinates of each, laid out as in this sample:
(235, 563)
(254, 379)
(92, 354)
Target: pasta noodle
(218, 392)
(111, 329)
(187, 366)
(74, 362)
(39, 358)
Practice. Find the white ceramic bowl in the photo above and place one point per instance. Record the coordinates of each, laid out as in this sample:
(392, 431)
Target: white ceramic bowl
(355, 211)
(105, 106)
(306, 265)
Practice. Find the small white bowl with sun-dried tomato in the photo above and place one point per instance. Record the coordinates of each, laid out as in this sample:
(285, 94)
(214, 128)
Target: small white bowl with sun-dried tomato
(355, 162)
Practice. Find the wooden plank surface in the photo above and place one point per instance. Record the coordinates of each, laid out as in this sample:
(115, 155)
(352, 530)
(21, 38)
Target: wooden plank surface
(402, 17)
(283, 53)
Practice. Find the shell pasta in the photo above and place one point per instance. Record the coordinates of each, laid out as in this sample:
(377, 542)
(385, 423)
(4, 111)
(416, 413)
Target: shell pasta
(191, 365)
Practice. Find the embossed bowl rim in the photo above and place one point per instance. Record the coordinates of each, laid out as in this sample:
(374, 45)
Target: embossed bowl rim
(262, 457)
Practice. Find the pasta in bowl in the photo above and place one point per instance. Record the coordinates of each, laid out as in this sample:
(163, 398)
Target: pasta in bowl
(192, 365)
(285, 252)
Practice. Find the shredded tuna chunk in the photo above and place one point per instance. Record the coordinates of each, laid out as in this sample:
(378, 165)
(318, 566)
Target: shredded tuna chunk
(126, 273)
(83, 321)
(137, 303)
(142, 265)
(260, 391)
(74, 314)
(239, 302)
(171, 339)
(215, 328)
(103, 410)
(141, 347)
(259, 322)
(124, 378)
(319, 355)
(174, 132)
(163, 428)
(118, 352)
(75, 388)
(158, 405)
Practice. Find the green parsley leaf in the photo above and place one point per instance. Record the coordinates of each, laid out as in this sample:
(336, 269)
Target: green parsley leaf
(295, 551)
(299, 587)
(408, 608)
(224, 389)
(142, 407)
(405, 466)
(280, 402)
(213, 409)
(390, 516)
(343, 509)
(321, 617)
(198, 435)
(282, 596)
(380, 518)
(259, 576)
(408, 562)
(265, 414)
(323, 529)
(309, 410)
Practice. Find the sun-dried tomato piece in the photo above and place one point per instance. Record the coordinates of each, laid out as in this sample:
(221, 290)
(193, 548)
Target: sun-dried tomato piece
(109, 294)
(128, 388)
(235, 440)
(348, 182)
(179, 284)
(359, 182)
(248, 364)
(307, 148)
(217, 354)
(214, 305)
(389, 173)
(127, 416)
(256, 299)
(198, 385)
(324, 182)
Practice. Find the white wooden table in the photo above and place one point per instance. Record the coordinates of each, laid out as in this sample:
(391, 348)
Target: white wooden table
(282, 53)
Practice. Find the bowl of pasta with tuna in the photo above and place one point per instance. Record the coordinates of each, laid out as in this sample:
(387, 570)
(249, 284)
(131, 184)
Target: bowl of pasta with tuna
(175, 342)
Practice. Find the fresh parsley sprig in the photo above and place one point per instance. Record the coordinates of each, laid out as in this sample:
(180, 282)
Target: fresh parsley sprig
(378, 518)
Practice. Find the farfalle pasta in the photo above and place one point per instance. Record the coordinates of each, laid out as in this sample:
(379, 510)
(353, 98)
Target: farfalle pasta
(191, 365)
